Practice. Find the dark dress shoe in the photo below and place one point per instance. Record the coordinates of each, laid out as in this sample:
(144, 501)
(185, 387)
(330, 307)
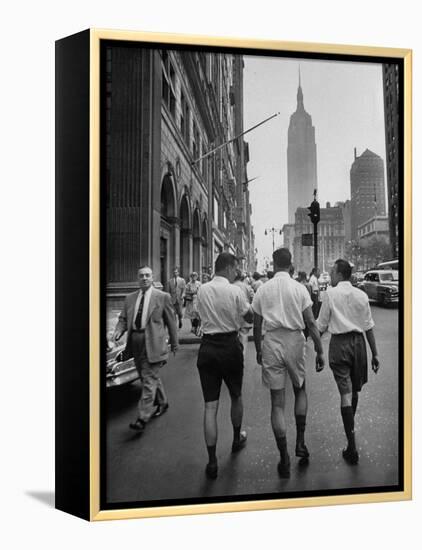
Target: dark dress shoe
(211, 470)
(238, 445)
(138, 425)
(283, 468)
(302, 450)
(352, 457)
(161, 409)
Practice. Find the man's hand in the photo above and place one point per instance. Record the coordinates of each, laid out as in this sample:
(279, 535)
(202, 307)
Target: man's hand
(375, 363)
(319, 362)
(259, 357)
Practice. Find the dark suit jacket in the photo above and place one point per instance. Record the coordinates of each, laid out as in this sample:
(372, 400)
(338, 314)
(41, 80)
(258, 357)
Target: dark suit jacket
(159, 316)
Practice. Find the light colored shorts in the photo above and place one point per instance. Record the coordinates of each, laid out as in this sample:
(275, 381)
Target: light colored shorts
(283, 351)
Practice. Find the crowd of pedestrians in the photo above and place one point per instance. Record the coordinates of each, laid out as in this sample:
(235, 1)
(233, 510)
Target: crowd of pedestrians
(224, 309)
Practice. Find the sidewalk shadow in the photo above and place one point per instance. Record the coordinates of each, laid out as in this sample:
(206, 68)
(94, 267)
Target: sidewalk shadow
(45, 497)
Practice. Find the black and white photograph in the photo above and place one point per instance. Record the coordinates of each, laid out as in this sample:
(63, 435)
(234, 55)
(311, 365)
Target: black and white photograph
(251, 262)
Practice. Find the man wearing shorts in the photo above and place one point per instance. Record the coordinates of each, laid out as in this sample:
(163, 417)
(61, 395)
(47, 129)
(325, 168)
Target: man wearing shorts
(286, 307)
(222, 308)
(346, 314)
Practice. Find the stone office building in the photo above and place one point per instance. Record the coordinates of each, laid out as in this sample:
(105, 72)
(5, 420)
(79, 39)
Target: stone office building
(167, 203)
(367, 189)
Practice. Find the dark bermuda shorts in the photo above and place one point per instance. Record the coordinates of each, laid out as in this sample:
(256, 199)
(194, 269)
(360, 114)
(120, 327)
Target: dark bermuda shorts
(220, 358)
(348, 361)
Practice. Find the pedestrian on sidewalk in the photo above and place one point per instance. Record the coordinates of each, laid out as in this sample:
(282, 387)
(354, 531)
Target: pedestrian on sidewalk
(191, 301)
(240, 281)
(346, 314)
(145, 316)
(315, 291)
(257, 281)
(176, 288)
(302, 279)
(222, 307)
(286, 307)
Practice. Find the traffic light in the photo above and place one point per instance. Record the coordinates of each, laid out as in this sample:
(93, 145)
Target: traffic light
(314, 213)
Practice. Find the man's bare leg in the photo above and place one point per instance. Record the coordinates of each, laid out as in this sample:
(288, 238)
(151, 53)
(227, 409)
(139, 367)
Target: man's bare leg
(278, 424)
(301, 409)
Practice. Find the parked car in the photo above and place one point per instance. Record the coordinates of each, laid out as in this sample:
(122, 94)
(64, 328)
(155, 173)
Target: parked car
(120, 370)
(382, 285)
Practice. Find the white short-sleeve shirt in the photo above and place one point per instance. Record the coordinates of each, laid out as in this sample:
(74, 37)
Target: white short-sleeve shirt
(221, 306)
(281, 302)
(345, 309)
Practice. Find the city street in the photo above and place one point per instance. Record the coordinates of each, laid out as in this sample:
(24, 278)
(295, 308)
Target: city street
(168, 460)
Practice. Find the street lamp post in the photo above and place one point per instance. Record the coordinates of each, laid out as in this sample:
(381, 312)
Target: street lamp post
(273, 230)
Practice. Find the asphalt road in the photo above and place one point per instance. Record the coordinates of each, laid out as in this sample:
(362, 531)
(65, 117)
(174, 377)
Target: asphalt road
(167, 461)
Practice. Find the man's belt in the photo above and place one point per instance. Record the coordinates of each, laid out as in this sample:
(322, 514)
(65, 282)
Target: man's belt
(220, 335)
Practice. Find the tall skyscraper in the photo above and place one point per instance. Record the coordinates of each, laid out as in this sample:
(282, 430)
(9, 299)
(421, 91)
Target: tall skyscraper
(391, 76)
(301, 158)
(367, 187)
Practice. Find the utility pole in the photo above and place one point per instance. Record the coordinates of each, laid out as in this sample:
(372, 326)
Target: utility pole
(314, 214)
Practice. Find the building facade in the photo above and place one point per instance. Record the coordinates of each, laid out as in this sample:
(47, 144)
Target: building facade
(331, 241)
(170, 203)
(377, 227)
(288, 231)
(391, 82)
(301, 159)
(367, 187)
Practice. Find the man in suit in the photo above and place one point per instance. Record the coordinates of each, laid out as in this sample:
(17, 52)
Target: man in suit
(176, 289)
(146, 314)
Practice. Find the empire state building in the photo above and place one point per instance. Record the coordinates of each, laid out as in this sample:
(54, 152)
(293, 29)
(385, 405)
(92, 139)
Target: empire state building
(301, 158)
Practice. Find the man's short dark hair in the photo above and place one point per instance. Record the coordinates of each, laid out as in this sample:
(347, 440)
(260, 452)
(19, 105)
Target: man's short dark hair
(301, 276)
(282, 258)
(225, 259)
(344, 268)
(256, 276)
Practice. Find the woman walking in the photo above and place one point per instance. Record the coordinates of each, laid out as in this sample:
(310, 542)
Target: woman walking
(191, 301)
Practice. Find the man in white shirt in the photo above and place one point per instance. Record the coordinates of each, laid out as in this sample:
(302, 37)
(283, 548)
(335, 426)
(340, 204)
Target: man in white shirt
(346, 314)
(315, 292)
(222, 308)
(146, 316)
(286, 307)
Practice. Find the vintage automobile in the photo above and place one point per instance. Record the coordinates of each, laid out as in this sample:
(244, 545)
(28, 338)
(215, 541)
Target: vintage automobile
(120, 370)
(382, 286)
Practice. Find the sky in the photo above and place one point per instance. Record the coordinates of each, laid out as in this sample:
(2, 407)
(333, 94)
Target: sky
(345, 101)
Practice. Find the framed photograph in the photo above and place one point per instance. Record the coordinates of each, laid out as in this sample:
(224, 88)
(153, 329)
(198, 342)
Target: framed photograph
(233, 276)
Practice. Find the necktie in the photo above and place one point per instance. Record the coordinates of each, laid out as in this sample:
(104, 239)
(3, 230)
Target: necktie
(138, 320)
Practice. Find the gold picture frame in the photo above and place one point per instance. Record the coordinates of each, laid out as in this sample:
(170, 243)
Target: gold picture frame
(86, 478)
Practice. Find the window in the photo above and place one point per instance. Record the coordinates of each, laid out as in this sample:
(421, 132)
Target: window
(215, 210)
(169, 83)
(195, 141)
(184, 118)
